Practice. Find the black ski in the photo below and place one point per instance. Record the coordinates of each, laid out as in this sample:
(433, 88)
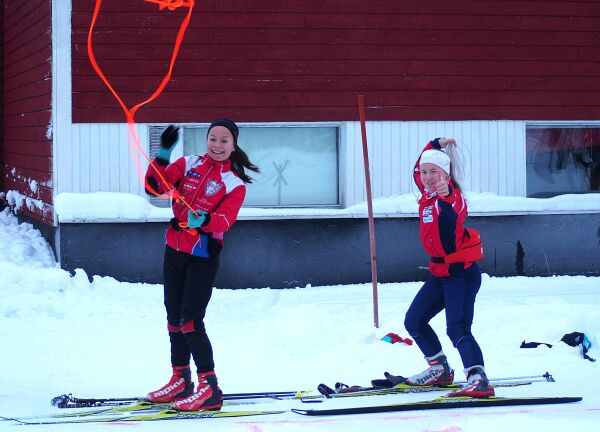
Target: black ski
(441, 403)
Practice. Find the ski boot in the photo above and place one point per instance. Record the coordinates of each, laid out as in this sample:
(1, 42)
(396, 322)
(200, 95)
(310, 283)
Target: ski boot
(208, 396)
(478, 386)
(438, 372)
(179, 386)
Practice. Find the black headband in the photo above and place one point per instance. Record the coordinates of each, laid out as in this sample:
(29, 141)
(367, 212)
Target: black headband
(226, 123)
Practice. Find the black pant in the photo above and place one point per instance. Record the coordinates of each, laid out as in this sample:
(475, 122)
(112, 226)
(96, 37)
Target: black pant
(456, 294)
(188, 282)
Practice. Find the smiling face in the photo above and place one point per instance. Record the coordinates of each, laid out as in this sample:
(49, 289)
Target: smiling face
(430, 175)
(220, 143)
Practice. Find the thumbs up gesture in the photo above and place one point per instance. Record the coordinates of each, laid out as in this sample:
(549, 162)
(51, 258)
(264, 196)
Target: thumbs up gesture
(441, 186)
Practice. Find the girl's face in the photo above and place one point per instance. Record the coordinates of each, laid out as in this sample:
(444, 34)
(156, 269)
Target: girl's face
(220, 143)
(430, 175)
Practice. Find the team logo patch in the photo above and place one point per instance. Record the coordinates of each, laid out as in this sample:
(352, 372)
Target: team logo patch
(212, 187)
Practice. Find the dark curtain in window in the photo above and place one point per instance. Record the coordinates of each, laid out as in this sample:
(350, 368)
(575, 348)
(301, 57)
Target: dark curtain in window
(562, 160)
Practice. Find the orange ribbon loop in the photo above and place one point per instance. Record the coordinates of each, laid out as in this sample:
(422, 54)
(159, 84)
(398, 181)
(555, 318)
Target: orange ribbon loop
(130, 112)
(170, 4)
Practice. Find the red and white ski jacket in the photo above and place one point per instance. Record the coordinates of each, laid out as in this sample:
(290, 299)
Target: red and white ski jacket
(441, 221)
(206, 185)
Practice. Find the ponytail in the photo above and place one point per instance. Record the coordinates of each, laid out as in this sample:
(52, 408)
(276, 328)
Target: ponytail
(240, 162)
(457, 166)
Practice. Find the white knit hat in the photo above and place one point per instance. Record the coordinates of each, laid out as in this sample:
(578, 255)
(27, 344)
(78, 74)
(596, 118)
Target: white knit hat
(436, 157)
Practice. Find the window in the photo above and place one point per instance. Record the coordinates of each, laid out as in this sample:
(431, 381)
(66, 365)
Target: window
(562, 159)
(298, 164)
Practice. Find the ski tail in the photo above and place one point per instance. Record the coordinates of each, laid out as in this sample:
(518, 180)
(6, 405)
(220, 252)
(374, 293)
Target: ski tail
(70, 401)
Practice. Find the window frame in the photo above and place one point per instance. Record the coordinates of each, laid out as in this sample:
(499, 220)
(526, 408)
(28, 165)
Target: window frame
(179, 152)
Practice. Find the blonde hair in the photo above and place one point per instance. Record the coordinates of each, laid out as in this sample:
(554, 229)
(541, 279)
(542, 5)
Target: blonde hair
(457, 164)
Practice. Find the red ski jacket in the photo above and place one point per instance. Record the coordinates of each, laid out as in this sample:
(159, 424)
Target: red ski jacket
(206, 185)
(441, 222)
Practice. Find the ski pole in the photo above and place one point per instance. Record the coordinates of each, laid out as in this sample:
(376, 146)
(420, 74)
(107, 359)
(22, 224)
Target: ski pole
(547, 377)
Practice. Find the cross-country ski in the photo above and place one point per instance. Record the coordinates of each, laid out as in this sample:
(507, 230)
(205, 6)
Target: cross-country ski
(440, 403)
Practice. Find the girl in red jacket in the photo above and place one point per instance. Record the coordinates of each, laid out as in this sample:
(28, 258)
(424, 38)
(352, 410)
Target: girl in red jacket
(213, 185)
(455, 277)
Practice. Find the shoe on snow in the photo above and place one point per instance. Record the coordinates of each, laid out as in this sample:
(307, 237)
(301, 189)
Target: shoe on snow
(179, 386)
(208, 396)
(478, 386)
(438, 373)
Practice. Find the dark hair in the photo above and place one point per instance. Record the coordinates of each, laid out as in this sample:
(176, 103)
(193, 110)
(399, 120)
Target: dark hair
(239, 158)
(240, 161)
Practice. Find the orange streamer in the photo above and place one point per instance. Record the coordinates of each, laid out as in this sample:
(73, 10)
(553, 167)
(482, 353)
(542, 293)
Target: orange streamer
(130, 112)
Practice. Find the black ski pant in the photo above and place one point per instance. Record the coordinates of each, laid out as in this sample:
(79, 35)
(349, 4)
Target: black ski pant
(188, 283)
(456, 294)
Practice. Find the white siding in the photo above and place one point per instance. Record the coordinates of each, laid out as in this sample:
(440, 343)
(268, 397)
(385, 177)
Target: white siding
(494, 156)
(98, 158)
(101, 157)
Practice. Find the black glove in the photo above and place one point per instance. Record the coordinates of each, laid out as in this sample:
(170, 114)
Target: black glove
(167, 144)
(169, 137)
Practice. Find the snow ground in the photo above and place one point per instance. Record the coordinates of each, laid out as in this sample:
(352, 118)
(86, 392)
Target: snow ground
(61, 334)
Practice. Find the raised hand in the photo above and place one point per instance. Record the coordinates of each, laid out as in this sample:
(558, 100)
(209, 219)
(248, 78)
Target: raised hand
(169, 137)
(444, 142)
(441, 186)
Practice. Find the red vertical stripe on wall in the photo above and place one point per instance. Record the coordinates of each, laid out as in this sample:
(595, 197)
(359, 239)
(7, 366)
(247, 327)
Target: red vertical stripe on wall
(26, 144)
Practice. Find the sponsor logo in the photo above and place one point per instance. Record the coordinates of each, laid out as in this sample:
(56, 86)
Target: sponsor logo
(193, 415)
(212, 187)
(427, 378)
(192, 173)
(427, 214)
(169, 389)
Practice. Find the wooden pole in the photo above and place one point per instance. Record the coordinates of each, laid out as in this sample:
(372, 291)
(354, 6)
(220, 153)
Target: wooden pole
(363, 129)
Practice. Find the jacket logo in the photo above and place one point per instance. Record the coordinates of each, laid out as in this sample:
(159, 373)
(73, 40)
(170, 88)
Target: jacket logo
(212, 187)
(192, 173)
(427, 214)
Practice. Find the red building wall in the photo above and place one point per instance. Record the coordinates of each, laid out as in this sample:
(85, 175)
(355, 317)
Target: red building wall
(26, 99)
(2, 99)
(306, 60)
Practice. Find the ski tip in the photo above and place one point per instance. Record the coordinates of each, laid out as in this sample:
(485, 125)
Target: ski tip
(325, 390)
(389, 381)
(381, 383)
(61, 401)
